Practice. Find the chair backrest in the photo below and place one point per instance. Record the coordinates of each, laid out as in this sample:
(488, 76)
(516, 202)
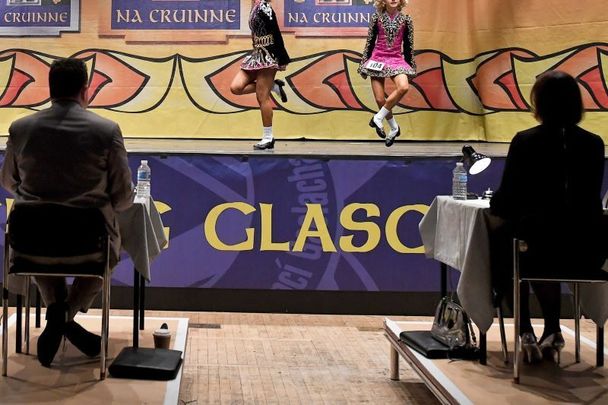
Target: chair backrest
(54, 230)
(566, 247)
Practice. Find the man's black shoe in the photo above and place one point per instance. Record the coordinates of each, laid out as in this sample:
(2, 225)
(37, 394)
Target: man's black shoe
(85, 341)
(50, 338)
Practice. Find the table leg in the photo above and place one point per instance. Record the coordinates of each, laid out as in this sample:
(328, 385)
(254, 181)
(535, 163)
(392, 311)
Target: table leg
(142, 301)
(444, 279)
(135, 308)
(483, 348)
(394, 366)
(599, 351)
(19, 336)
(38, 305)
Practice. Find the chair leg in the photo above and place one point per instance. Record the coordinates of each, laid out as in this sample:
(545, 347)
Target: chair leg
(516, 311)
(577, 324)
(503, 335)
(38, 306)
(27, 314)
(104, 327)
(5, 308)
(4, 326)
(19, 331)
(599, 347)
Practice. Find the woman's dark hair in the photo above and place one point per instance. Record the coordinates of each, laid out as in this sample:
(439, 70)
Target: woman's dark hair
(67, 77)
(556, 99)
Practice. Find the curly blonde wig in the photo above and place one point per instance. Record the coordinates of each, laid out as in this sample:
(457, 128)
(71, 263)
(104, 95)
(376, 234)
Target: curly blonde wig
(381, 6)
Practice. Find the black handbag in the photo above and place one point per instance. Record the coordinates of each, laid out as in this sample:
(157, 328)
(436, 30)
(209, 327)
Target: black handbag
(453, 327)
(423, 342)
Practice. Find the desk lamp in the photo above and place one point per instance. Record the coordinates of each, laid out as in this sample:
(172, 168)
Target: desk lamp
(475, 161)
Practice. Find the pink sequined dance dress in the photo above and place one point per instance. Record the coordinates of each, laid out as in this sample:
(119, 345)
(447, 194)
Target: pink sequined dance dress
(390, 41)
(268, 47)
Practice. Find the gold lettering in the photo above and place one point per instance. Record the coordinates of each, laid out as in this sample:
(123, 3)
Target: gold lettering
(372, 229)
(314, 213)
(266, 242)
(211, 231)
(391, 228)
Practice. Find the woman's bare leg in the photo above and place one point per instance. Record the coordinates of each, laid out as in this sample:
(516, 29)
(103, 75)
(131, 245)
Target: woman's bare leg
(264, 85)
(243, 82)
(402, 85)
(377, 120)
(379, 93)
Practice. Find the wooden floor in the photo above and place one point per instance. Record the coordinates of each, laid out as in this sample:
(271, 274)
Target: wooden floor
(245, 358)
(241, 358)
(238, 358)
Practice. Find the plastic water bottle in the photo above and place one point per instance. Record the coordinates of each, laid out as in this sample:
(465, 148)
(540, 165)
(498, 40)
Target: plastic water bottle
(144, 175)
(459, 182)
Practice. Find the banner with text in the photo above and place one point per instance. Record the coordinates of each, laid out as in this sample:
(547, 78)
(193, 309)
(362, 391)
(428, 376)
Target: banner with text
(347, 225)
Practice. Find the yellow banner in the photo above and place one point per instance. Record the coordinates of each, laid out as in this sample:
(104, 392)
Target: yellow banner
(164, 71)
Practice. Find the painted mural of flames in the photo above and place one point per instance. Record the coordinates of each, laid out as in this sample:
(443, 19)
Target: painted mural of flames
(494, 81)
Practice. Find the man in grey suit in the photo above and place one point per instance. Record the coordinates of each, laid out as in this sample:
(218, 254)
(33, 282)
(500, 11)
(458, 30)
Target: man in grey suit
(68, 155)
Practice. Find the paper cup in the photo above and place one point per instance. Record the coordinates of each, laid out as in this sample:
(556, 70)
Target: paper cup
(162, 338)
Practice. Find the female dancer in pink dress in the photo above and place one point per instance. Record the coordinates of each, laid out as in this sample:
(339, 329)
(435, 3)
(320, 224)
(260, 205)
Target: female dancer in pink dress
(389, 52)
(258, 69)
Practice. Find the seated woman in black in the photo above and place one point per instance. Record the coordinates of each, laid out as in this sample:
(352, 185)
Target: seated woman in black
(550, 196)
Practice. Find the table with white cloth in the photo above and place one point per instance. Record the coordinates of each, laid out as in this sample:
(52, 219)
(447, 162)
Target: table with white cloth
(457, 234)
(143, 238)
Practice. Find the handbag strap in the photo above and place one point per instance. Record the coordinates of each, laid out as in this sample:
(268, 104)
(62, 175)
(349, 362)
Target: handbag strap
(473, 338)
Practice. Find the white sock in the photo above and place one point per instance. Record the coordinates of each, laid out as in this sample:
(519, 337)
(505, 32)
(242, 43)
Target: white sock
(267, 134)
(380, 115)
(393, 123)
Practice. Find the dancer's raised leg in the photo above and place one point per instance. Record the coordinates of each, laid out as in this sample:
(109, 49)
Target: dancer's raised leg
(401, 87)
(243, 82)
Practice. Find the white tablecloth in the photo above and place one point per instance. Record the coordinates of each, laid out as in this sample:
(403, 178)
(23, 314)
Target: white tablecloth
(142, 235)
(456, 232)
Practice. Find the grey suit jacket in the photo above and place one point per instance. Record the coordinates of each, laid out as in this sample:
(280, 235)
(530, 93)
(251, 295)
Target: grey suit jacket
(68, 155)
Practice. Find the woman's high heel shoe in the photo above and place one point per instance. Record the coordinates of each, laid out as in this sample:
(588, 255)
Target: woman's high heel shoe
(552, 345)
(532, 353)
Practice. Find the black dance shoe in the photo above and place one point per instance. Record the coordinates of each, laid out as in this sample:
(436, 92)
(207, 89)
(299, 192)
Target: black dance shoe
(264, 145)
(282, 93)
(390, 139)
(85, 341)
(50, 338)
(378, 128)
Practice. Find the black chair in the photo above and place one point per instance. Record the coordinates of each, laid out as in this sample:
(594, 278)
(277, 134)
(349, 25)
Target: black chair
(45, 239)
(598, 276)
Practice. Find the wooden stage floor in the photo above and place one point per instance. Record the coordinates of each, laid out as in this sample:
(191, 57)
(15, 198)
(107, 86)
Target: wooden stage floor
(342, 149)
(244, 358)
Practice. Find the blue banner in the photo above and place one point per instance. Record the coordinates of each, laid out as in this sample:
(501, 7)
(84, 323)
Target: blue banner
(297, 224)
(176, 15)
(39, 17)
(328, 13)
